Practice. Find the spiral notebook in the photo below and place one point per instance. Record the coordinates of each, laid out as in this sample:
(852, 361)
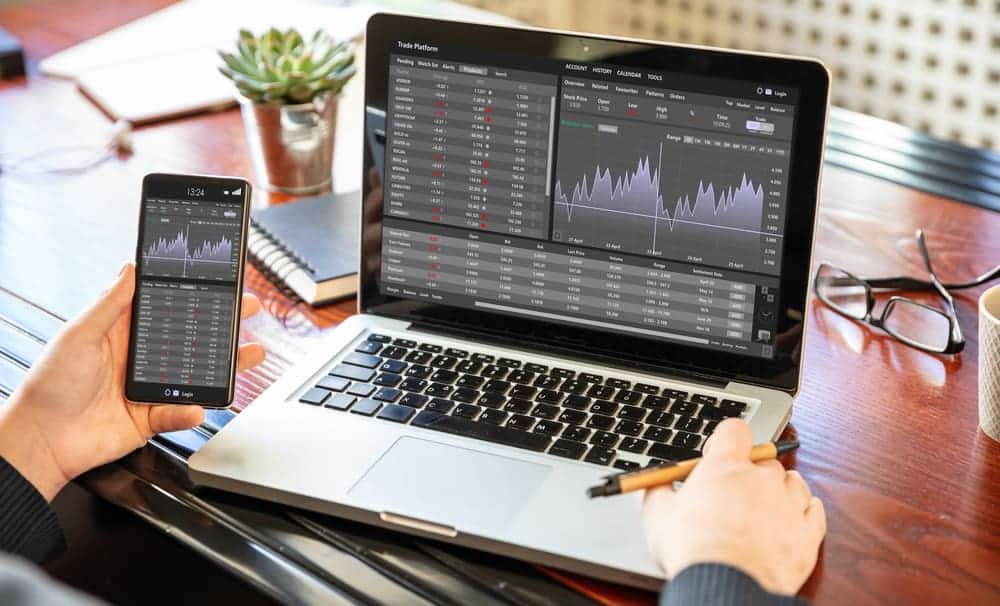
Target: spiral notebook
(310, 246)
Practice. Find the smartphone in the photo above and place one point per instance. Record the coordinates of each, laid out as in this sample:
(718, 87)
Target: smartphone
(189, 262)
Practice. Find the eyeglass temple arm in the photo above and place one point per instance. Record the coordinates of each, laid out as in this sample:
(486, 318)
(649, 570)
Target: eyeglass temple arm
(956, 328)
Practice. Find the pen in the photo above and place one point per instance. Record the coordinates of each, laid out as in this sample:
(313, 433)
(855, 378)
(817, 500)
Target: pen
(667, 474)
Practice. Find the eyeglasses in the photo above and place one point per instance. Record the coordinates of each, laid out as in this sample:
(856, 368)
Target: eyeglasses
(917, 324)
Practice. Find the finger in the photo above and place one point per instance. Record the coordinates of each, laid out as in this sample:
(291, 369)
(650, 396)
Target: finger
(174, 418)
(250, 355)
(251, 305)
(796, 486)
(773, 469)
(816, 517)
(731, 441)
(657, 504)
(98, 319)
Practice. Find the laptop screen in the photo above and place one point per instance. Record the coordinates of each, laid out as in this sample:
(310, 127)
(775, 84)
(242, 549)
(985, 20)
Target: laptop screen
(642, 192)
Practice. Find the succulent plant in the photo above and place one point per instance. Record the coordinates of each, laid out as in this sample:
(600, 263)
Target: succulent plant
(278, 67)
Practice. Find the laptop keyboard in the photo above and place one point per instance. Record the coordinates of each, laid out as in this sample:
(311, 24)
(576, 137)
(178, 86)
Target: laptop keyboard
(604, 420)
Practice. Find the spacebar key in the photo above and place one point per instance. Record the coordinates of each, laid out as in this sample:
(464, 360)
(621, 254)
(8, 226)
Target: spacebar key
(481, 431)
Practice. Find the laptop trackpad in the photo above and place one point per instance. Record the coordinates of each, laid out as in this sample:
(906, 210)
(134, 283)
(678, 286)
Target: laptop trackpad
(458, 487)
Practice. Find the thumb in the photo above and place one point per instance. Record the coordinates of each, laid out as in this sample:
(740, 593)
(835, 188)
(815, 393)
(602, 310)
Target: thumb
(731, 441)
(163, 419)
(98, 319)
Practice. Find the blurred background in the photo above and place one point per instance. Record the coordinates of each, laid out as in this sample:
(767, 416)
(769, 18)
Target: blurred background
(933, 65)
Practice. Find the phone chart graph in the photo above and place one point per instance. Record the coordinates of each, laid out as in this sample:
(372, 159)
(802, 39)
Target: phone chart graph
(184, 246)
(661, 194)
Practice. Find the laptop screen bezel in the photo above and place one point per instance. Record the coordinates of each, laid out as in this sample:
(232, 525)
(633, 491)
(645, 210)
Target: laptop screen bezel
(809, 77)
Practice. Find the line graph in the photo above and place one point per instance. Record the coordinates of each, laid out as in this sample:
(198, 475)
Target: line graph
(180, 247)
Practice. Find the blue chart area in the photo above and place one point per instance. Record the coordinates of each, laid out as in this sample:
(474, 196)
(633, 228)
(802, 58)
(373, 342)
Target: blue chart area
(667, 199)
(178, 247)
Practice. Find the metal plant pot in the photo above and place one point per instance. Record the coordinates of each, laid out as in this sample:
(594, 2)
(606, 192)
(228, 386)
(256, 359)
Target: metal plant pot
(291, 146)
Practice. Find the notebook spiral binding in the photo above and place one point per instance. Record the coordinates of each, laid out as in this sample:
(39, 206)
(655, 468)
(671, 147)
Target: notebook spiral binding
(275, 267)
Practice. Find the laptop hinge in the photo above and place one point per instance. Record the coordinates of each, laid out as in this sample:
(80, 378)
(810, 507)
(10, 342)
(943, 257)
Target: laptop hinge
(417, 524)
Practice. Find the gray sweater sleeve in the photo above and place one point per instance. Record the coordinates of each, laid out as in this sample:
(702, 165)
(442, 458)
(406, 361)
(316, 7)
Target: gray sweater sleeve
(22, 584)
(28, 526)
(720, 585)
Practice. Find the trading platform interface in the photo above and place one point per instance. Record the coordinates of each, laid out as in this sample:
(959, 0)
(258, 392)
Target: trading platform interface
(600, 196)
(188, 272)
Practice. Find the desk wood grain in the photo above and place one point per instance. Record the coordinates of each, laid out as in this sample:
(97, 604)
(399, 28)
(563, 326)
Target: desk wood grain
(890, 436)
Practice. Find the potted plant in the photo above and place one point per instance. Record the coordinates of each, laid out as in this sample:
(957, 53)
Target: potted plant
(287, 89)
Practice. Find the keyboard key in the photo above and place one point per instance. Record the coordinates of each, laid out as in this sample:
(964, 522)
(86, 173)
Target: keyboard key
(379, 338)
(573, 417)
(405, 343)
(711, 413)
(600, 455)
(393, 352)
(577, 402)
(444, 362)
(628, 397)
(605, 439)
(628, 428)
(419, 372)
(617, 383)
(362, 359)
(430, 347)
(483, 431)
(340, 401)
(604, 407)
(536, 368)
(549, 428)
(496, 386)
(675, 393)
(387, 394)
(369, 347)
(663, 419)
(600, 391)
(672, 453)
(655, 402)
(686, 440)
(600, 422)
(545, 411)
(549, 396)
(690, 424)
(491, 400)
(523, 391)
(703, 399)
(361, 389)
(412, 384)
(657, 434)
(568, 449)
(333, 383)
(565, 373)
(456, 353)
(353, 372)
(646, 388)
(396, 414)
(574, 386)
(495, 372)
(465, 394)
(657, 463)
(521, 422)
(709, 428)
(509, 363)
(683, 408)
(439, 390)
(469, 366)
(414, 400)
(588, 377)
(518, 406)
(494, 417)
(419, 357)
(577, 434)
(396, 366)
(315, 396)
(547, 382)
(366, 407)
(444, 376)
(470, 381)
(484, 358)
(440, 405)
(633, 445)
(632, 413)
(468, 411)
(626, 465)
(732, 408)
(388, 379)
(521, 376)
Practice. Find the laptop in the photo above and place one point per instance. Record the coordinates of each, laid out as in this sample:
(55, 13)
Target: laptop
(578, 255)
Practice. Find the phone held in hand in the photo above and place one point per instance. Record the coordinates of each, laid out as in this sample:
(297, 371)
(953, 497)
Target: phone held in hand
(190, 258)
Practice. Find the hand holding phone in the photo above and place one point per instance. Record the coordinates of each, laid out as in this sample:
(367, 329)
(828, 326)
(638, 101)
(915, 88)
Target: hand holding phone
(190, 258)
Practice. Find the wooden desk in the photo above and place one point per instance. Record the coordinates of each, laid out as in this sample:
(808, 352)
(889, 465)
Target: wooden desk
(890, 437)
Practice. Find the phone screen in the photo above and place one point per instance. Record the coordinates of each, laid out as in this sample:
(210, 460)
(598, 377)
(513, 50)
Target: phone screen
(189, 281)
